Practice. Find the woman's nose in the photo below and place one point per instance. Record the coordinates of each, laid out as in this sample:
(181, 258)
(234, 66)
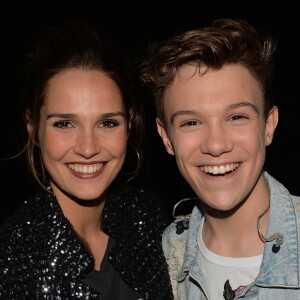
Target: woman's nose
(87, 144)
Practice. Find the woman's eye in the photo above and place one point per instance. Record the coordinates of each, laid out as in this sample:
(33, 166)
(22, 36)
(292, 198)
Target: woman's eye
(109, 123)
(62, 124)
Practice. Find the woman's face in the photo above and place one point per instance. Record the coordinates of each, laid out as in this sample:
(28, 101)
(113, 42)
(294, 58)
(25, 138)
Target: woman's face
(82, 133)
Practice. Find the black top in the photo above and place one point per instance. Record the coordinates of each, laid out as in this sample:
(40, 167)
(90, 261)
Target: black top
(108, 282)
(42, 257)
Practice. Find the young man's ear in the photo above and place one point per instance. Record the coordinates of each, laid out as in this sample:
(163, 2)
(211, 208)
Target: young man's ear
(271, 125)
(163, 134)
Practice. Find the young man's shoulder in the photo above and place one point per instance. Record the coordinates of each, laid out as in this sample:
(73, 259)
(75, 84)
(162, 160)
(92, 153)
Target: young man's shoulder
(296, 200)
(175, 236)
(176, 233)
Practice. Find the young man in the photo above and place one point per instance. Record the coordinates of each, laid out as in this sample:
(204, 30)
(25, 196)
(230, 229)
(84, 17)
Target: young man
(215, 114)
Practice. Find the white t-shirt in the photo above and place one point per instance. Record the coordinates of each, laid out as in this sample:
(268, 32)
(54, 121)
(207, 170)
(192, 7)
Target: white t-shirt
(218, 269)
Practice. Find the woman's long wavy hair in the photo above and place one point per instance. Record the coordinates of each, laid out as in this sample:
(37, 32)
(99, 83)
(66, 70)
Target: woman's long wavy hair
(78, 45)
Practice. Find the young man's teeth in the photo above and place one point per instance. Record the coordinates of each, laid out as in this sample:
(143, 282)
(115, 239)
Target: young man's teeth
(87, 169)
(219, 169)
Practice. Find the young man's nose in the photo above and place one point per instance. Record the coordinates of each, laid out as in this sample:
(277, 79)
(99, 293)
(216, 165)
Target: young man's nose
(216, 141)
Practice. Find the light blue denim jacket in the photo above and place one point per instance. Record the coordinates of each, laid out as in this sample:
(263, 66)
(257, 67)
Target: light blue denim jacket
(279, 275)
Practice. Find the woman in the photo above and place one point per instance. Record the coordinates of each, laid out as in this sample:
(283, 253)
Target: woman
(82, 236)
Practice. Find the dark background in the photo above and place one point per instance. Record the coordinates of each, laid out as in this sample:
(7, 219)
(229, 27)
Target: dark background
(136, 24)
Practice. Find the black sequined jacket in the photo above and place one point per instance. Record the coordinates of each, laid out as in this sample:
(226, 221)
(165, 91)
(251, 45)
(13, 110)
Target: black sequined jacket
(42, 257)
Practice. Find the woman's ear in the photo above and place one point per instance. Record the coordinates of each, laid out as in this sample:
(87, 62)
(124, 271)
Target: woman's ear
(271, 125)
(28, 122)
(130, 118)
(163, 134)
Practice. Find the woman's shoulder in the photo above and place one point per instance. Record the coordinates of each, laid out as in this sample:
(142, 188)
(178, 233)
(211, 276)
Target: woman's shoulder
(22, 215)
(135, 198)
(135, 205)
(27, 224)
(133, 191)
(21, 239)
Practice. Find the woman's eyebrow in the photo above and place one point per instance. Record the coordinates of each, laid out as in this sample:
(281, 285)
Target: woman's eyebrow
(71, 116)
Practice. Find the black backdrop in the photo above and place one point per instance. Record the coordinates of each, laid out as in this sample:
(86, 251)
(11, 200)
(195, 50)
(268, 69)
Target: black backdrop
(137, 23)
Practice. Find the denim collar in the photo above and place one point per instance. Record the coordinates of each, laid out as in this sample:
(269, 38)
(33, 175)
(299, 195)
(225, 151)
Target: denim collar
(277, 269)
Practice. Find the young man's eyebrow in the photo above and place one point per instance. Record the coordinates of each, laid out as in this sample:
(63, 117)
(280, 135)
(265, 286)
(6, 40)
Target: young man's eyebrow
(229, 107)
(182, 112)
(241, 104)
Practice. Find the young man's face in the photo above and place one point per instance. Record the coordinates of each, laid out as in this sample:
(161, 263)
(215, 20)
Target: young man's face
(216, 129)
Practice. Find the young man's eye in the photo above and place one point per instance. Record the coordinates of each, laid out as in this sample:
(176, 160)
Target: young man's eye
(189, 123)
(62, 124)
(238, 117)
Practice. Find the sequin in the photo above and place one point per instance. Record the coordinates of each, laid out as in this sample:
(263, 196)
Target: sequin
(41, 257)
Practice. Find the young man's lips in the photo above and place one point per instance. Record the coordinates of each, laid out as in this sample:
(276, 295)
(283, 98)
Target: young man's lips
(219, 169)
